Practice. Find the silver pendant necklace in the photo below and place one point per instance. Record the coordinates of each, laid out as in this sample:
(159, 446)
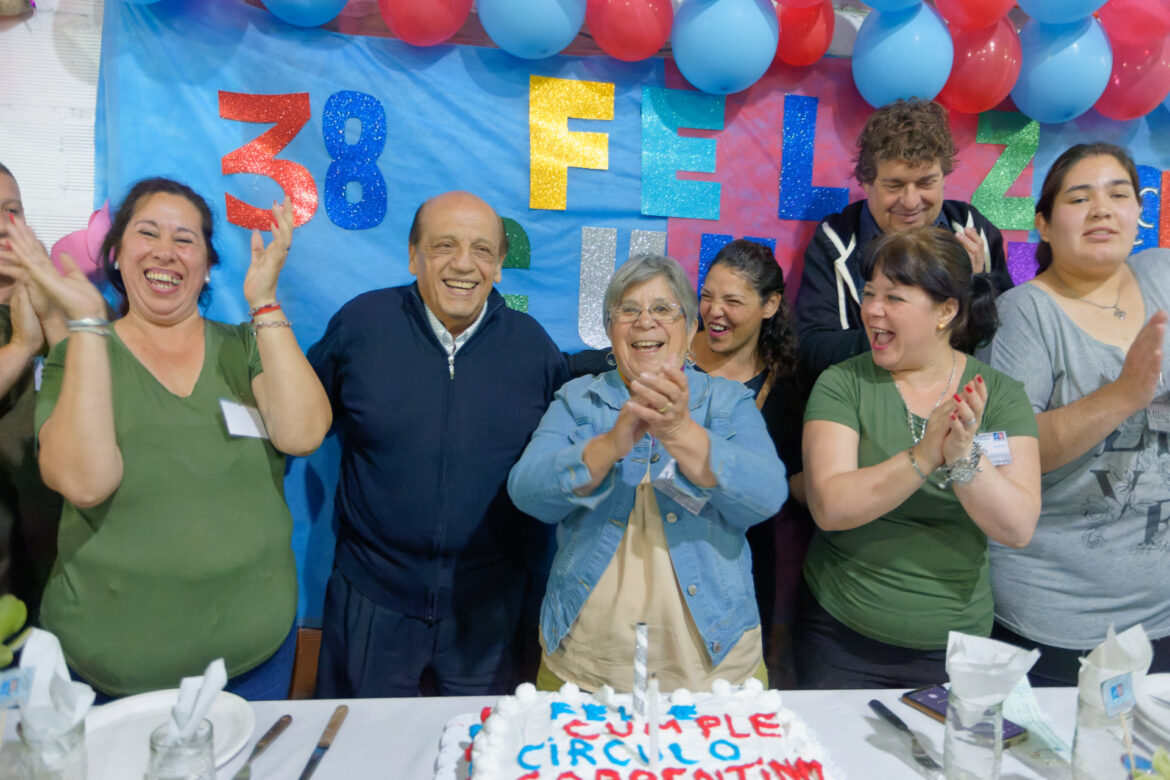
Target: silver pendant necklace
(916, 433)
(1118, 312)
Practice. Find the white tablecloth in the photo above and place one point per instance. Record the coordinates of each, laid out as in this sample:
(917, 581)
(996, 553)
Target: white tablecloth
(398, 739)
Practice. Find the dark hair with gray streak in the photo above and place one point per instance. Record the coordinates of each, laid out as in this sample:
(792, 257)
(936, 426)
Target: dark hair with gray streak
(643, 268)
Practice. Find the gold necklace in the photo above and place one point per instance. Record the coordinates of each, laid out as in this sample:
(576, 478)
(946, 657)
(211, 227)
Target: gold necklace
(1118, 312)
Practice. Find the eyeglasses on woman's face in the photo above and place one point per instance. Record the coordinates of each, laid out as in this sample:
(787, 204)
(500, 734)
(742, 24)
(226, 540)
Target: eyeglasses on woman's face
(661, 311)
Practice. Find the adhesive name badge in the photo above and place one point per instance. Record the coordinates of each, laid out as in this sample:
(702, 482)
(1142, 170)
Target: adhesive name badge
(1117, 694)
(14, 687)
(242, 420)
(1158, 415)
(665, 483)
(995, 446)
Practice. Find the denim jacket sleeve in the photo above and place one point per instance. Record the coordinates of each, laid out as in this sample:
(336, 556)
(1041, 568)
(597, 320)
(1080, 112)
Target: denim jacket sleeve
(751, 483)
(552, 466)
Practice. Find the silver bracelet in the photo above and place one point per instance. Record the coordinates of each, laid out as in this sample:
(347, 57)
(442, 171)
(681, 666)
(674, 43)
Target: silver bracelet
(964, 470)
(94, 325)
(914, 462)
(274, 324)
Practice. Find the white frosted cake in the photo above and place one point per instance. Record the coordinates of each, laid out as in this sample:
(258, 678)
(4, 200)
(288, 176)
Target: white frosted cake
(728, 734)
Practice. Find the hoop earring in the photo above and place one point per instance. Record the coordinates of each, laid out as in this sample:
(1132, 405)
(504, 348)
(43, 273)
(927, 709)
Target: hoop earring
(689, 359)
(116, 266)
(610, 360)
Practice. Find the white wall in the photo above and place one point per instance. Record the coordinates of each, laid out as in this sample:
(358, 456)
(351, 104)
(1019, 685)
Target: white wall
(48, 89)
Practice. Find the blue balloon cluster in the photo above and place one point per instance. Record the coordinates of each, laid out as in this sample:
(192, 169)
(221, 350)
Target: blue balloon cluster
(305, 13)
(1064, 69)
(724, 46)
(531, 29)
(1060, 11)
(902, 54)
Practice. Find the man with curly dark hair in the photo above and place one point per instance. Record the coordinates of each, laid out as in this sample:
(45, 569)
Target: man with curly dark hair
(903, 157)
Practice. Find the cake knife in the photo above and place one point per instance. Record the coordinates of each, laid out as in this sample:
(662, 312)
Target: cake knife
(326, 740)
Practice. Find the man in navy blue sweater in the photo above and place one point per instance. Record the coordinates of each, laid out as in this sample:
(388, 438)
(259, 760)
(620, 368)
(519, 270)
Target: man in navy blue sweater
(436, 388)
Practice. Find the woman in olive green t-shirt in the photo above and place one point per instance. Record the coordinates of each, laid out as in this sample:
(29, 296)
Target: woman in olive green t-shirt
(174, 541)
(903, 495)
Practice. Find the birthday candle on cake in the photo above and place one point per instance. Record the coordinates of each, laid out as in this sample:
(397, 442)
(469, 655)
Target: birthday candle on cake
(641, 643)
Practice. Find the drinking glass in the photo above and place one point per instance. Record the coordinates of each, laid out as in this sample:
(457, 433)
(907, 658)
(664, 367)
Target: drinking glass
(55, 757)
(973, 745)
(190, 759)
(1098, 744)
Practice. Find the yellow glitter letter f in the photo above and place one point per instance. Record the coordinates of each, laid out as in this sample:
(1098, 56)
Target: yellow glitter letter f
(553, 148)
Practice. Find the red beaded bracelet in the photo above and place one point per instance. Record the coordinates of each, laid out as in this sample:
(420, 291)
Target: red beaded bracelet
(265, 309)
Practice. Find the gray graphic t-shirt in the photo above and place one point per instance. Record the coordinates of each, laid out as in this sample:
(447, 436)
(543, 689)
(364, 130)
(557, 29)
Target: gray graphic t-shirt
(1101, 553)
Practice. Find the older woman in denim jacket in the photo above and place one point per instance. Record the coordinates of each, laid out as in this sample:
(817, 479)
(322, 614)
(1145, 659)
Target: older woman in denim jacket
(652, 472)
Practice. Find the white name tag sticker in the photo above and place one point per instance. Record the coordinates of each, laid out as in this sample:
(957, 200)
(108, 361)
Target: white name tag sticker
(1158, 415)
(242, 420)
(995, 446)
(665, 482)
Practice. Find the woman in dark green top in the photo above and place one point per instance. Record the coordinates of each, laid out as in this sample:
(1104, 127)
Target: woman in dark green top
(174, 546)
(903, 497)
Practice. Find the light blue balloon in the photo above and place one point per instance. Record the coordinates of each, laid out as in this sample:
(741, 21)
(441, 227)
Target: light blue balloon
(1064, 69)
(892, 5)
(531, 29)
(1060, 11)
(902, 54)
(305, 13)
(724, 46)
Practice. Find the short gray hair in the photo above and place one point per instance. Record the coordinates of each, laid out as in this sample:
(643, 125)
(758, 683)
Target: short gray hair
(643, 268)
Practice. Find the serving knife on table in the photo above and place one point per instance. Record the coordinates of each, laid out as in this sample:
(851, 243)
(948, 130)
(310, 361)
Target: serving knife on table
(326, 740)
(269, 737)
(919, 752)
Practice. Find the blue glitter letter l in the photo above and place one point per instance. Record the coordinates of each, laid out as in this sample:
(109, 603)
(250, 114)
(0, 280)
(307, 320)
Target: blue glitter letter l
(664, 153)
(799, 199)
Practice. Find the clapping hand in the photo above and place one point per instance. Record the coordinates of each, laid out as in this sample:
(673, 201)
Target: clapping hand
(267, 261)
(24, 258)
(26, 326)
(964, 420)
(1142, 369)
(661, 400)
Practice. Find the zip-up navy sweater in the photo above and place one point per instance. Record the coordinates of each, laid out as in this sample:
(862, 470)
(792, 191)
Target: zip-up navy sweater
(824, 297)
(426, 525)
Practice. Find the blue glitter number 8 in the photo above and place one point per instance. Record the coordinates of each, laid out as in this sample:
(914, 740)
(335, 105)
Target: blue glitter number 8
(354, 162)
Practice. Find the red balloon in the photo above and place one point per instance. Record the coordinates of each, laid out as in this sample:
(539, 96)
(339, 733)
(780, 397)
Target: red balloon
(424, 22)
(805, 33)
(986, 65)
(1139, 82)
(799, 3)
(629, 30)
(1135, 21)
(974, 14)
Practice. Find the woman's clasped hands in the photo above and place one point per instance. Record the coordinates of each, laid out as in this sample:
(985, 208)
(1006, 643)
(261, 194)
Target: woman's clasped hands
(951, 428)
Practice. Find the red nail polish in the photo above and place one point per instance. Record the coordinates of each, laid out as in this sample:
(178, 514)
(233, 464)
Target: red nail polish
(957, 398)
(12, 217)
(979, 379)
(952, 415)
(969, 389)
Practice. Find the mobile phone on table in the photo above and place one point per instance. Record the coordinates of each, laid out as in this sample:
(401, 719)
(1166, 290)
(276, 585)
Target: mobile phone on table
(932, 700)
